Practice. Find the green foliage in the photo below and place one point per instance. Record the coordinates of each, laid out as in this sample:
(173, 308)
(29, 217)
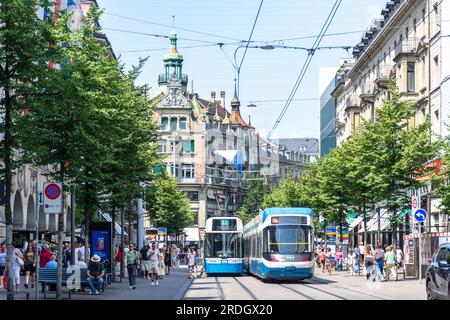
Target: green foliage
(380, 161)
(254, 195)
(288, 194)
(167, 206)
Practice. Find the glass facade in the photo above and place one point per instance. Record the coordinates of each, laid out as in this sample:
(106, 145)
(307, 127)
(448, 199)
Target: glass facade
(328, 119)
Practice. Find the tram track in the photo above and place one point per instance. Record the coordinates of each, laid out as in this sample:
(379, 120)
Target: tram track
(315, 279)
(249, 292)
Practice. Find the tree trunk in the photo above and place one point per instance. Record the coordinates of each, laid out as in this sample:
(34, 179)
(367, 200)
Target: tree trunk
(7, 142)
(122, 240)
(365, 222)
(129, 222)
(87, 215)
(113, 236)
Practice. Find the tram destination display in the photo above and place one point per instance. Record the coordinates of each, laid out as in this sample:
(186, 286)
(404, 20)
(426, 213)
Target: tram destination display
(224, 225)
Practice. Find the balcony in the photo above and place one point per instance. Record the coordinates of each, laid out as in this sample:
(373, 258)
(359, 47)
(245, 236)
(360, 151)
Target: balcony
(367, 92)
(352, 102)
(407, 47)
(163, 79)
(383, 75)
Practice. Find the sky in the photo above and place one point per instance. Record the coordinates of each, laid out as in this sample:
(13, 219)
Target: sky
(267, 76)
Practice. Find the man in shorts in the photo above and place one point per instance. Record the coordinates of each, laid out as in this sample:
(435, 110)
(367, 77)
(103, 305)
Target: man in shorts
(145, 262)
(153, 257)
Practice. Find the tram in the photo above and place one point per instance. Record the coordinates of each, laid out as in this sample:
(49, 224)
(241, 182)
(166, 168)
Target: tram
(223, 245)
(279, 244)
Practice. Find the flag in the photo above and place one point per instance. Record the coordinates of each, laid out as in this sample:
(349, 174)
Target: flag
(234, 157)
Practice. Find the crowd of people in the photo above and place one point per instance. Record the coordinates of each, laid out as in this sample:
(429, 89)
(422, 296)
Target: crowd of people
(24, 261)
(153, 263)
(378, 264)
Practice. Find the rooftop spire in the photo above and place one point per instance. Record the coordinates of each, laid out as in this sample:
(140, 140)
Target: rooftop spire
(235, 103)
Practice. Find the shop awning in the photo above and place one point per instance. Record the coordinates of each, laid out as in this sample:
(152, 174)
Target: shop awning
(354, 222)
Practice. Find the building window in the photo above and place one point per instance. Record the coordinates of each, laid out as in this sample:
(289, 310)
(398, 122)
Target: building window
(187, 171)
(164, 124)
(415, 24)
(411, 122)
(192, 195)
(173, 124)
(182, 123)
(162, 146)
(423, 14)
(356, 120)
(188, 146)
(411, 77)
(407, 32)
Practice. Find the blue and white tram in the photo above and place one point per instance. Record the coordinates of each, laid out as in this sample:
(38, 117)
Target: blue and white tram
(278, 244)
(223, 245)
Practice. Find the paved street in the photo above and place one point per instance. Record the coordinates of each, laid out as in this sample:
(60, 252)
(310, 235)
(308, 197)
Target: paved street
(171, 287)
(337, 286)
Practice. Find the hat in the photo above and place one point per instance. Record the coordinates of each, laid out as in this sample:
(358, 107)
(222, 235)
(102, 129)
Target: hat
(95, 258)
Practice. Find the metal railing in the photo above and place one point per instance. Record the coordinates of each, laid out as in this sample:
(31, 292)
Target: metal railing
(162, 78)
(383, 72)
(406, 46)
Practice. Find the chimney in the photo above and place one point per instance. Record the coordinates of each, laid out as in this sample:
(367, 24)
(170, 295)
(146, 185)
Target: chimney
(213, 96)
(222, 98)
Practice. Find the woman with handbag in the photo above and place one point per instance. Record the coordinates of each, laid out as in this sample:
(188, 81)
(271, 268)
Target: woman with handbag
(17, 265)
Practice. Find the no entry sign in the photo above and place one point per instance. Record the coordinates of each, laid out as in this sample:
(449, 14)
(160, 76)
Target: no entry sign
(52, 197)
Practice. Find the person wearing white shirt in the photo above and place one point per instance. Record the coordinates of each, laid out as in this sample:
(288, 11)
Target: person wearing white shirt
(351, 262)
(153, 257)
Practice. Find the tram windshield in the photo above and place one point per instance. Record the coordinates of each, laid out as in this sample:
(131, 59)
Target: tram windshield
(223, 245)
(287, 239)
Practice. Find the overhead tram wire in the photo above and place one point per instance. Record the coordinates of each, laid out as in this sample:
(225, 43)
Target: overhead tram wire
(305, 66)
(169, 26)
(251, 34)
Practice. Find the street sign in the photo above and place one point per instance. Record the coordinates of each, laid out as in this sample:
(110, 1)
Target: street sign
(52, 197)
(420, 215)
(414, 203)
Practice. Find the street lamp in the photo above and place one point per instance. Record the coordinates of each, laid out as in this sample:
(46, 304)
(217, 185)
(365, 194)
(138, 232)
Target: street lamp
(238, 68)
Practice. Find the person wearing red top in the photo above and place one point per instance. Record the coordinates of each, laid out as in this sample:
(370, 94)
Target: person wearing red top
(44, 256)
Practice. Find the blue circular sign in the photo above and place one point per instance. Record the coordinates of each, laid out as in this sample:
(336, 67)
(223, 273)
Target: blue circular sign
(420, 215)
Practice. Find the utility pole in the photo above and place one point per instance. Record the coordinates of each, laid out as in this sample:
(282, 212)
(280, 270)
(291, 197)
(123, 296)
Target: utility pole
(140, 223)
(72, 224)
(420, 238)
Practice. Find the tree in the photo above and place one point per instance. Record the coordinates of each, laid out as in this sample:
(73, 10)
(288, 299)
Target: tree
(255, 190)
(399, 152)
(167, 206)
(24, 53)
(288, 194)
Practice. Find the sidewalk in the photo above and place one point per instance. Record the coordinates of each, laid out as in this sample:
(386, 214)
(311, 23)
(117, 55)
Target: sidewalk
(172, 287)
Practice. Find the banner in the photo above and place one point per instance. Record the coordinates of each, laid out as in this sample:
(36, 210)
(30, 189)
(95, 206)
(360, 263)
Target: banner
(344, 235)
(331, 234)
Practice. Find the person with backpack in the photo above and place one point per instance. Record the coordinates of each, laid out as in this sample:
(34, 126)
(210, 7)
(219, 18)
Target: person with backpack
(379, 262)
(145, 262)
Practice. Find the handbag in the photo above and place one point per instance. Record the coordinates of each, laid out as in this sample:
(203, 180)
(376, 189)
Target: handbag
(20, 261)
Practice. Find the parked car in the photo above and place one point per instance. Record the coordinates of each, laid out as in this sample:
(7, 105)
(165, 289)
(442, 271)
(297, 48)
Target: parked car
(438, 274)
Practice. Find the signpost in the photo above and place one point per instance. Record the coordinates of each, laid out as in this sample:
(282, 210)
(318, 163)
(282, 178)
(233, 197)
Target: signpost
(53, 197)
(419, 216)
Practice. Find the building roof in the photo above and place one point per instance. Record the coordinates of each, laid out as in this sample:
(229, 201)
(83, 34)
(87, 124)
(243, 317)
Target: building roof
(216, 107)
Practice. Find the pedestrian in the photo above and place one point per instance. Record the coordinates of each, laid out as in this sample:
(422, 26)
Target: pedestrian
(29, 266)
(67, 255)
(81, 264)
(389, 259)
(190, 258)
(52, 264)
(398, 258)
(368, 261)
(131, 261)
(361, 252)
(117, 260)
(168, 260)
(323, 258)
(95, 273)
(161, 265)
(379, 262)
(145, 264)
(45, 256)
(174, 256)
(18, 262)
(2, 263)
(178, 256)
(339, 256)
(153, 255)
(351, 261)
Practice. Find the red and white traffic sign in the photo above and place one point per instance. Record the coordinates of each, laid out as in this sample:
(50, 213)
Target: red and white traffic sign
(52, 197)
(415, 203)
